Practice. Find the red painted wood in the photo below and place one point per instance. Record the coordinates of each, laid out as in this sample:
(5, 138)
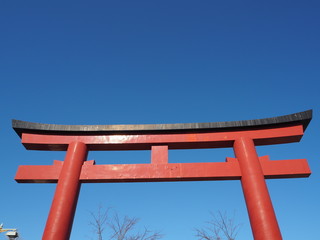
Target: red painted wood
(159, 154)
(247, 167)
(261, 213)
(293, 168)
(163, 172)
(173, 141)
(64, 203)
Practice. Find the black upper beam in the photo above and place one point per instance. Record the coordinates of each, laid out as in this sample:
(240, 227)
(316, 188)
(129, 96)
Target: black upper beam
(301, 118)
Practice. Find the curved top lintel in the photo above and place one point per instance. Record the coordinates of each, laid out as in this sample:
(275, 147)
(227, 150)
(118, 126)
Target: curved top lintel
(300, 118)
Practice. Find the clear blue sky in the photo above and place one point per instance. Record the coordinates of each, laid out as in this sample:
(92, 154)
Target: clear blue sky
(139, 62)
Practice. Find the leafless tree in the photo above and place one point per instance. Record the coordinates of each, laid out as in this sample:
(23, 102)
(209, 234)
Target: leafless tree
(99, 221)
(120, 228)
(220, 227)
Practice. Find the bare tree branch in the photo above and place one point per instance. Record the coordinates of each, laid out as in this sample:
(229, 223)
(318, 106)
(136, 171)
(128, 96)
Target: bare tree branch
(99, 221)
(120, 228)
(218, 228)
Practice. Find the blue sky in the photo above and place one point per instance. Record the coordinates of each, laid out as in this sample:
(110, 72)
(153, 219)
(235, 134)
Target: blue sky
(139, 62)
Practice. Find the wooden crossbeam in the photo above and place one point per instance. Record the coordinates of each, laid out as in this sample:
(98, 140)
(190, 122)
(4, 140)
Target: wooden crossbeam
(228, 170)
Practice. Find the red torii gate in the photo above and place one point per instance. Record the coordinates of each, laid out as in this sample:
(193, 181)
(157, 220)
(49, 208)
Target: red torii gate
(243, 136)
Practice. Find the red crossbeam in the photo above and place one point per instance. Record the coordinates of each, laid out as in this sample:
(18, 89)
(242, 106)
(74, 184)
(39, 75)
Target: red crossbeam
(173, 141)
(228, 170)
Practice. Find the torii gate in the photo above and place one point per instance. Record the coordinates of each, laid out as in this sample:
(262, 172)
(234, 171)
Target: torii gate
(242, 136)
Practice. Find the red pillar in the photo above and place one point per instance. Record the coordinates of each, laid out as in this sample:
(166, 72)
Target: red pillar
(64, 203)
(261, 213)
